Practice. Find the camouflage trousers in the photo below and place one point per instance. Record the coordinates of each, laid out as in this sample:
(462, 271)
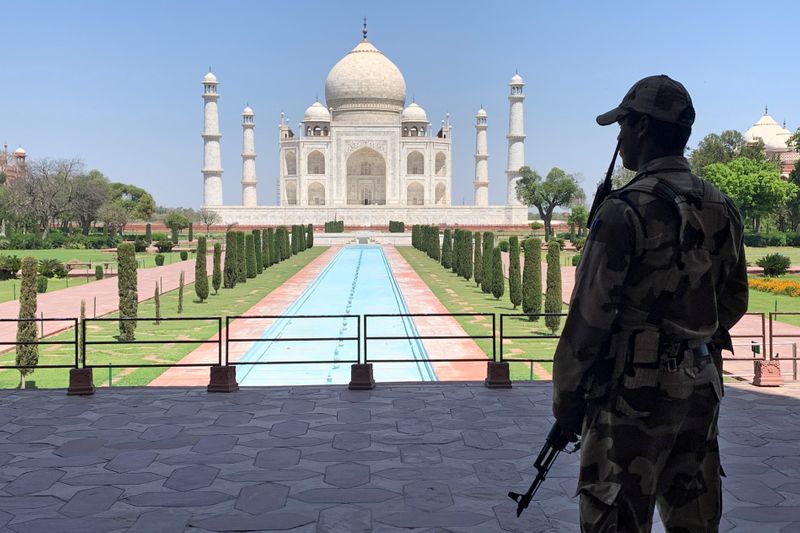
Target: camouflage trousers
(649, 446)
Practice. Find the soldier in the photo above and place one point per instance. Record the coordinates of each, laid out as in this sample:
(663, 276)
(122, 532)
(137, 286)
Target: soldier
(637, 372)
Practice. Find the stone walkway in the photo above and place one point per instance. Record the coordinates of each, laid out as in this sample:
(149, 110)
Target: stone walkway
(402, 458)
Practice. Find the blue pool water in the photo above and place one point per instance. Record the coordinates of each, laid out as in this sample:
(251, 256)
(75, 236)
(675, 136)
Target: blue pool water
(357, 281)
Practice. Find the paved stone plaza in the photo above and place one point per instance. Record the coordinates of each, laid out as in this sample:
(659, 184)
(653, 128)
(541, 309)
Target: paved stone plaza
(432, 458)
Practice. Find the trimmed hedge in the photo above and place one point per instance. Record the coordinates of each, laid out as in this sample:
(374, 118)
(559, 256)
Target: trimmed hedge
(334, 226)
(396, 226)
(552, 299)
(532, 278)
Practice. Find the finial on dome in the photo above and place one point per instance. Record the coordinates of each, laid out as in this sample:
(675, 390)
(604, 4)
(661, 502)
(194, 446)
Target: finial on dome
(766, 110)
(364, 30)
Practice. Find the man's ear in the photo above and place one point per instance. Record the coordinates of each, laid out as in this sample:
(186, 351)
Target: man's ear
(642, 126)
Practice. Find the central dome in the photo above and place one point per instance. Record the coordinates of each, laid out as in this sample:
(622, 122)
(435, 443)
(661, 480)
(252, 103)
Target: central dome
(365, 80)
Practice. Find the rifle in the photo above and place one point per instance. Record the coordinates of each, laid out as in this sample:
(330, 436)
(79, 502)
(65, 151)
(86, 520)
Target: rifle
(603, 189)
(555, 443)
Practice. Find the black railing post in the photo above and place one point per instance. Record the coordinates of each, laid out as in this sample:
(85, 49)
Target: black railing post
(227, 337)
(77, 341)
(494, 337)
(501, 337)
(366, 339)
(219, 340)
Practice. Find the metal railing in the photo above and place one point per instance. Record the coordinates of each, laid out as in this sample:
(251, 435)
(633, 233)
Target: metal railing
(529, 360)
(775, 355)
(340, 338)
(73, 342)
(85, 342)
(413, 327)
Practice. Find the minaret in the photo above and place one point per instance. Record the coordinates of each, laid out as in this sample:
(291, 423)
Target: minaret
(212, 162)
(481, 159)
(516, 138)
(248, 159)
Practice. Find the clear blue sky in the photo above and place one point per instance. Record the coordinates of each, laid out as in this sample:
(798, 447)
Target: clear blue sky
(118, 84)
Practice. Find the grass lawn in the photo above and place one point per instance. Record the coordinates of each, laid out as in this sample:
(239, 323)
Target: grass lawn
(234, 301)
(754, 254)
(461, 296)
(766, 302)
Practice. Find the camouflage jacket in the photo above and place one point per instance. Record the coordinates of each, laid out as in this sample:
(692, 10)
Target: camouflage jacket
(643, 255)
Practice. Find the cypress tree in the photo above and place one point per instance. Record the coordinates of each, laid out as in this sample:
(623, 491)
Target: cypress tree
(127, 289)
(467, 262)
(241, 258)
(270, 247)
(191, 232)
(180, 294)
(514, 276)
(174, 235)
(200, 272)
(552, 298)
(157, 304)
(257, 246)
(250, 255)
(455, 258)
(478, 258)
(216, 277)
(487, 276)
(295, 240)
(148, 233)
(498, 281)
(230, 277)
(447, 249)
(287, 250)
(436, 253)
(310, 236)
(27, 354)
(301, 230)
(532, 279)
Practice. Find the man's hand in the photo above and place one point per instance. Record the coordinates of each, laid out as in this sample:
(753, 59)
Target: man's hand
(570, 419)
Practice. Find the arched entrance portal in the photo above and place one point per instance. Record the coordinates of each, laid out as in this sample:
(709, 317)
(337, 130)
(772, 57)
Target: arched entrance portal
(366, 178)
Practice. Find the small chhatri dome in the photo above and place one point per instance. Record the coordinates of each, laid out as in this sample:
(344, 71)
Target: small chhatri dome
(413, 113)
(769, 131)
(516, 79)
(316, 112)
(481, 113)
(19, 151)
(248, 112)
(209, 78)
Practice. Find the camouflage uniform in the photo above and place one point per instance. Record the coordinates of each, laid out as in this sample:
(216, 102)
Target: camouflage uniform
(662, 277)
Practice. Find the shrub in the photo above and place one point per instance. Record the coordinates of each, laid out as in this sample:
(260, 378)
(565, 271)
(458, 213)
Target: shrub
(140, 244)
(229, 275)
(488, 272)
(514, 274)
(9, 266)
(269, 246)
(174, 235)
(334, 226)
(241, 258)
(504, 246)
(435, 250)
(532, 278)
(498, 281)
(26, 241)
(466, 262)
(396, 226)
(99, 274)
(157, 304)
(180, 293)
(52, 268)
(191, 232)
(250, 256)
(159, 259)
(579, 243)
(4, 244)
(259, 250)
(127, 289)
(552, 299)
(775, 286)
(27, 354)
(478, 258)
(576, 259)
(295, 240)
(148, 233)
(755, 240)
(775, 239)
(200, 272)
(159, 236)
(455, 251)
(41, 284)
(216, 277)
(310, 236)
(184, 255)
(447, 249)
(164, 246)
(793, 239)
(774, 264)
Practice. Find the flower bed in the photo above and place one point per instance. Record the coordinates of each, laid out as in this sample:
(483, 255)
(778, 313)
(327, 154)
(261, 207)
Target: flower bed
(775, 286)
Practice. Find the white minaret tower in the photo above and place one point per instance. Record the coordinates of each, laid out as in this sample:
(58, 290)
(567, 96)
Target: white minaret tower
(481, 159)
(516, 138)
(248, 158)
(212, 162)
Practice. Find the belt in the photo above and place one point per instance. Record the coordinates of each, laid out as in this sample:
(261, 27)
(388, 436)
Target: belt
(681, 355)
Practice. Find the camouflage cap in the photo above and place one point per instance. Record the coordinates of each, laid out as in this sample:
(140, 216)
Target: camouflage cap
(660, 97)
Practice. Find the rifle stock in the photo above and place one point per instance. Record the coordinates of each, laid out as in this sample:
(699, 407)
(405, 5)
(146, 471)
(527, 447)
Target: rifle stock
(603, 189)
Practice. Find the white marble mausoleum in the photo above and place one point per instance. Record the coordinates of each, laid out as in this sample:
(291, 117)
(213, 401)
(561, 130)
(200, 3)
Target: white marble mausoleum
(364, 157)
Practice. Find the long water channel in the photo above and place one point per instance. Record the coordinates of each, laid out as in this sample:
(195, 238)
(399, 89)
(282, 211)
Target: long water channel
(356, 282)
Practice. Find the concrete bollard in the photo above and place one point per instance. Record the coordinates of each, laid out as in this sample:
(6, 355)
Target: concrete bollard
(223, 379)
(497, 376)
(361, 377)
(80, 382)
(767, 374)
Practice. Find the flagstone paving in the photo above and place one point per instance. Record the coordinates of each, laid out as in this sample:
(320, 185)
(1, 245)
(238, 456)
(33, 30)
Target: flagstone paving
(403, 457)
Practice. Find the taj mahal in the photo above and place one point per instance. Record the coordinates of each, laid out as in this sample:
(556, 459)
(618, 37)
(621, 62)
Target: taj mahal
(364, 157)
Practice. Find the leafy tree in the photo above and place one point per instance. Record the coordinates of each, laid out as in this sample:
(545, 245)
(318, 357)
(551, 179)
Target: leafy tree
(577, 219)
(447, 249)
(200, 272)
(27, 354)
(258, 250)
(208, 217)
(794, 141)
(557, 189)
(552, 298)
(723, 148)
(514, 276)
(230, 276)
(127, 289)
(793, 205)
(216, 277)
(250, 255)
(157, 303)
(498, 280)
(180, 293)
(176, 221)
(488, 271)
(138, 203)
(45, 192)
(92, 190)
(532, 279)
(114, 216)
(241, 258)
(754, 186)
(478, 258)
(621, 176)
